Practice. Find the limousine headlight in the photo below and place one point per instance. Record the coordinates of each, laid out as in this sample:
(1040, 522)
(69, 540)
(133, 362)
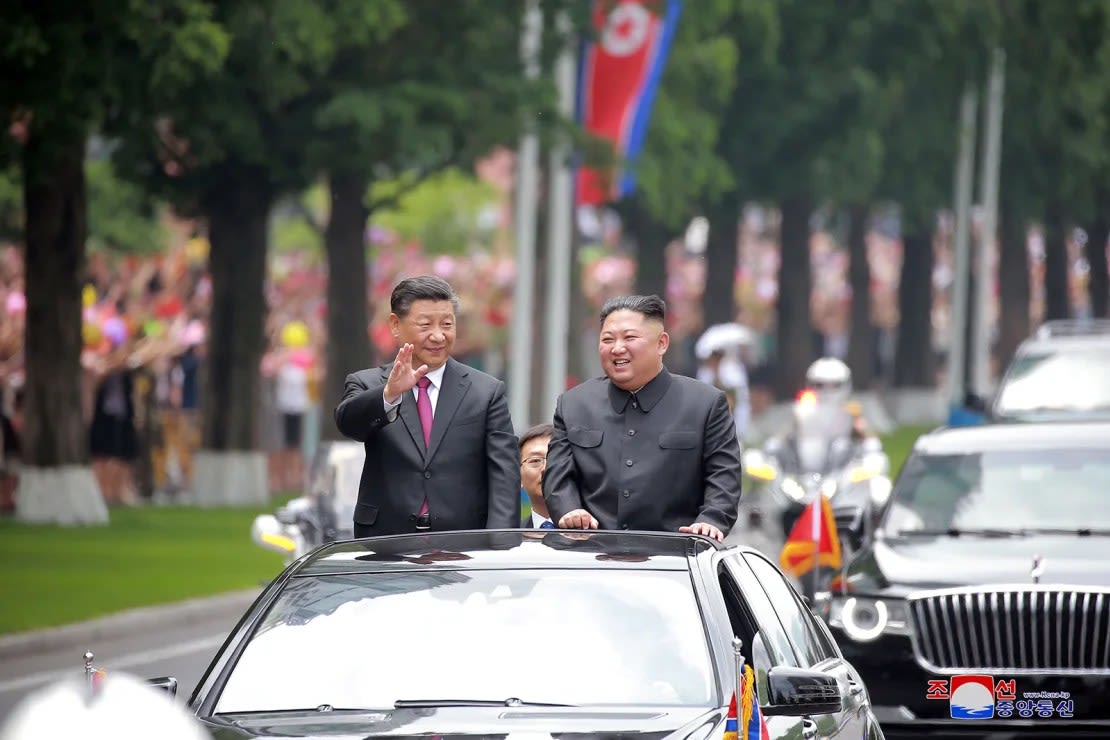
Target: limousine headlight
(864, 619)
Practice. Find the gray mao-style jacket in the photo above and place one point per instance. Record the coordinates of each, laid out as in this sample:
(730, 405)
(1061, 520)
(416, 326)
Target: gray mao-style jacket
(657, 460)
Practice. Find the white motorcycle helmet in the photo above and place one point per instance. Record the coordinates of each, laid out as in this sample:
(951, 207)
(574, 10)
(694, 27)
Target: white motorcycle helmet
(120, 707)
(830, 379)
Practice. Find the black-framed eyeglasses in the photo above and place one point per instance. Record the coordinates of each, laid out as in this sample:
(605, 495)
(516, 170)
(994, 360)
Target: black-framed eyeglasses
(535, 462)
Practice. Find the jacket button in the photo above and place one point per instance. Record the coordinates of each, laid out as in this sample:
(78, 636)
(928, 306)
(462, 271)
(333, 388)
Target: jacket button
(631, 432)
(624, 526)
(427, 475)
(626, 493)
(628, 463)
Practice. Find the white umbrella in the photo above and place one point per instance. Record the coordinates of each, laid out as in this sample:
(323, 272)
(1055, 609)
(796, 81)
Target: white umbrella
(723, 337)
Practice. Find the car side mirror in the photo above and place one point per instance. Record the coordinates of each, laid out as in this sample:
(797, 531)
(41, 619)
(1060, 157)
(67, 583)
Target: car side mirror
(796, 692)
(166, 683)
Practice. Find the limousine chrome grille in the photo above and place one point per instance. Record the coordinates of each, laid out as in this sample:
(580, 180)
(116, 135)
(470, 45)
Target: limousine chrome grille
(1012, 629)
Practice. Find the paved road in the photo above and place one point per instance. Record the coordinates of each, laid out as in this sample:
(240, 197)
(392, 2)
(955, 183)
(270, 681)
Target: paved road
(177, 641)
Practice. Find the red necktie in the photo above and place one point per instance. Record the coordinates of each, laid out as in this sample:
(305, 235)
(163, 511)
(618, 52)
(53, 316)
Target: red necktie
(424, 409)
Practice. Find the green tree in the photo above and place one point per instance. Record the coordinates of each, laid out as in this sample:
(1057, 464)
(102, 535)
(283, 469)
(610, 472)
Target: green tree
(228, 147)
(66, 71)
(122, 218)
(438, 93)
(442, 212)
(1054, 155)
(680, 167)
(925, 54)
(802, 129)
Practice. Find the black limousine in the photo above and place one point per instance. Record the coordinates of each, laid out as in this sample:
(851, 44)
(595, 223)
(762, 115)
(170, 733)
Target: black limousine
(980, 602)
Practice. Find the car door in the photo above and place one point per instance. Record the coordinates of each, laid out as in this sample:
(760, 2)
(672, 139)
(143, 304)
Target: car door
(815, 650)
(766, 642)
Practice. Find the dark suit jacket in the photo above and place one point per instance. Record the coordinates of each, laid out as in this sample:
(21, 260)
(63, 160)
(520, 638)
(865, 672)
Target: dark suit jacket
(663, 459)
(470, 471)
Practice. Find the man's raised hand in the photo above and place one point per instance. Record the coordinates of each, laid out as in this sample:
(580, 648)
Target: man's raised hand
(403, 376)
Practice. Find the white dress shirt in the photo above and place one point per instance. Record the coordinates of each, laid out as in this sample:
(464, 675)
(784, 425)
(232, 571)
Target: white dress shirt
(436, 376)
(537, 520)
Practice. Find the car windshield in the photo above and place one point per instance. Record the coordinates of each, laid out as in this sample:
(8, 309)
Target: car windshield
(1011, 490)
(1072, 380)
(575, 637)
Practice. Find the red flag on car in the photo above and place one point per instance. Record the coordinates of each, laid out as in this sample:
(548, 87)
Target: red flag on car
(812, 541)
(620, 75)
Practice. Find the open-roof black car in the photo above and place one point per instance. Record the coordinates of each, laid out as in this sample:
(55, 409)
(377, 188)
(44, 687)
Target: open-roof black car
(545, 633)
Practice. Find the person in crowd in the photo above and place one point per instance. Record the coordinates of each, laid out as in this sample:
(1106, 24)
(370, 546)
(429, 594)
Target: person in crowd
(441, 453)
(640, 448)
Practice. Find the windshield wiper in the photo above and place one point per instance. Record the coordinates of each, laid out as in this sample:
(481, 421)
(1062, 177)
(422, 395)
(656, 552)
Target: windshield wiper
(1077, 531)
(510, 702)
(956, 532)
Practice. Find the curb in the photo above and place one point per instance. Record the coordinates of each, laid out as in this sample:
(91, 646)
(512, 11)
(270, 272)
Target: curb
(83, 634)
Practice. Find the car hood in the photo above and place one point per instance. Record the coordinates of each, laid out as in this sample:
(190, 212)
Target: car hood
(473, 722)
(911, 564)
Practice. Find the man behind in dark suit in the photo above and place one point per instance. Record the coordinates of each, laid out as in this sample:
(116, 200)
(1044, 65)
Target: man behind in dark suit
(533, 459)
(641, 448)
(440, 449)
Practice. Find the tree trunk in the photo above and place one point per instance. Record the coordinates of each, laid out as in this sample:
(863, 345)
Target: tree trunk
(722, 255)
(56, 484)
(1013, 279)
(794, 348)
(581, 361)
(651, 239)
(1099, 278)
(913, 356)
(861, 354)
(1057, 303)
(229, 468)
(348, 346)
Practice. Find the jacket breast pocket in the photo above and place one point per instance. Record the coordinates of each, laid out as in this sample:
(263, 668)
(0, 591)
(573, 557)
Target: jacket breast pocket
(685, 440)
(471, 419)
(580, 437)
(365, 514)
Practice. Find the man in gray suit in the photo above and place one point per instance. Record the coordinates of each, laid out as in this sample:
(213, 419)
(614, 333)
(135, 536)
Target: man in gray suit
(440, 449)
(642, 449)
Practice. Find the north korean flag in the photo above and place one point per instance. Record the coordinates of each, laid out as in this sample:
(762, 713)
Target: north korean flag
(620, 76)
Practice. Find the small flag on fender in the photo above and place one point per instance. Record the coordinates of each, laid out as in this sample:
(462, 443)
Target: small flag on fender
(751, 719)
(813, 541)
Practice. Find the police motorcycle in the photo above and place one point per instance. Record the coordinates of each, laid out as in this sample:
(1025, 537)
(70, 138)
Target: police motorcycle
(826, 452)
(325, 513)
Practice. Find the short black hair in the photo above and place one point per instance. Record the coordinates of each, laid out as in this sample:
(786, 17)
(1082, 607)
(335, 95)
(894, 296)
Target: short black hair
(421, 288)
(651, 306)
(540, 430)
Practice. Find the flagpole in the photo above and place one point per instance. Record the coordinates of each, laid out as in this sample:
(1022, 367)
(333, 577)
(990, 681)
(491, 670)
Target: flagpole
(520, 344)
(559, 221)
(815, 529)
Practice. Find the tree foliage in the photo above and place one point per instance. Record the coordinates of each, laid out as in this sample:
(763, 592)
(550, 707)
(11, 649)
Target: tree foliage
(443, 212)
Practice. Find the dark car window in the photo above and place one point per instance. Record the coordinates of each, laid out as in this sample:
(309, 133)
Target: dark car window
(580, 637)
(1066, 380)
(795, 616)
(1004, 489)
(776, 641)
(755, 647)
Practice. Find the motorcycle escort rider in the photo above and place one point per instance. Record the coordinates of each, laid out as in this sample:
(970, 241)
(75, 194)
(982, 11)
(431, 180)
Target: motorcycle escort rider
(827, 434)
